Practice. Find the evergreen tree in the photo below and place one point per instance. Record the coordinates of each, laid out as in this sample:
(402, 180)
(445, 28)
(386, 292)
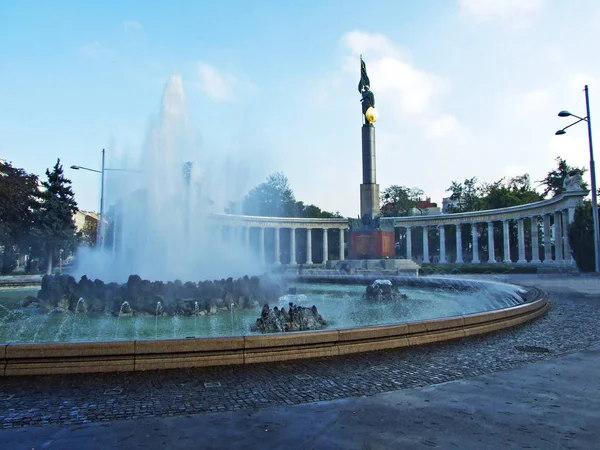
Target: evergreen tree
(54, 217)
(581, 237)
(553, 183)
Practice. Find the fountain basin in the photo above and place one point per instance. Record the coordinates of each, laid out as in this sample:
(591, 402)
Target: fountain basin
(136, 355)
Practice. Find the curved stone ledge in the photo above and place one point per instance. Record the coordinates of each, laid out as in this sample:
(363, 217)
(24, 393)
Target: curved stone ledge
(127, 356)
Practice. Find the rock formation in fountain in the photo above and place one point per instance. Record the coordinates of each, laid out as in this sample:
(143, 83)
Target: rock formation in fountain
(61, 293)
(382, 290)
(297, 318)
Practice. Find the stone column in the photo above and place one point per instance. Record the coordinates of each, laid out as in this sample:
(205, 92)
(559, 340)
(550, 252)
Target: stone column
(547, 241)
(521, 241)
(475, 243)
(309, 246)
(408, 243)
(261, 244)
(558, 254)
(565, 236)
(443, 245)
(325, 246)
(293, 246)
(535, 249)
(425, 244)
(277, 249)
(341, 244)
(491, 249)
(506, 242)
(459, 257)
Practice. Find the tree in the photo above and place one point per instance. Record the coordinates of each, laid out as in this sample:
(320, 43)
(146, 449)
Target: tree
(581, 237)
(54, 217)
(275, 198)
(18, 191)
(399, 201)
(88, 234)
(554, 180)
(502, 193)
(465, 195)
(272, 198)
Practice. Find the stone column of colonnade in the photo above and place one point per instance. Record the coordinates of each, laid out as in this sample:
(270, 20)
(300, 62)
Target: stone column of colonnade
(475, 243)
(237, 234)
(309, 246)
(553, 225)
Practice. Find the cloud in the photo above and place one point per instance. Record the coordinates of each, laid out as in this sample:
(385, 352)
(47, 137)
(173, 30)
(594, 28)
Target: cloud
(95, 50)
(447, 126)
(532, 102)
(220, 85)
(578, 81)
(393, 74)
(132, 26)
(518, 13)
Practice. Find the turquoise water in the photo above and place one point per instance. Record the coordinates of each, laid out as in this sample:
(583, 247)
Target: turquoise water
(341, 306)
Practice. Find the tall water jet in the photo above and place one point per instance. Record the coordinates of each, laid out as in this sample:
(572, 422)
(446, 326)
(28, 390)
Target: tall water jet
(159, 211)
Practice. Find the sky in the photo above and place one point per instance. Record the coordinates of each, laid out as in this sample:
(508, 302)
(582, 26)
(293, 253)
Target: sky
(464, 88)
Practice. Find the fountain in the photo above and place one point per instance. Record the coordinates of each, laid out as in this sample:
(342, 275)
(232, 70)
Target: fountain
(160, 229)
(158, 212)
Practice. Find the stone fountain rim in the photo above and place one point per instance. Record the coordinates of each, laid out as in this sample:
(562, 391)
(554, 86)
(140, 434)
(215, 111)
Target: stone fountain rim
(128, 356)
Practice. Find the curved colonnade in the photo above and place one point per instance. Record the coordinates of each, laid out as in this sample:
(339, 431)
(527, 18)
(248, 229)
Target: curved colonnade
(545, 224)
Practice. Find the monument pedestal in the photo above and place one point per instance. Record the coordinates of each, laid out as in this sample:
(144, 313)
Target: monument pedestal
(371, 244)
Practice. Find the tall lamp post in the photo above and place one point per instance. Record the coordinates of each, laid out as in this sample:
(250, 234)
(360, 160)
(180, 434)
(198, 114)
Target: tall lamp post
(101, 218)
(592, 171)
(99, 229)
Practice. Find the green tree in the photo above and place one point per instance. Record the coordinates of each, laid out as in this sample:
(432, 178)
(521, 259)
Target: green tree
(466, 195)
(501, 194)
(399, 201)
(272, 198)
(554, 180)
(275, 198)
(54, 217)
(581, 237)
(88, 234)
(18, 191)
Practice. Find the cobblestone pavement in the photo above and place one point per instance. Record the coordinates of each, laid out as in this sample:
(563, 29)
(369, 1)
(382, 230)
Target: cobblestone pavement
(570, 325)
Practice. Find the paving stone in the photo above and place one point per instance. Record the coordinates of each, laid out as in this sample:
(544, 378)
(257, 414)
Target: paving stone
(570, 325)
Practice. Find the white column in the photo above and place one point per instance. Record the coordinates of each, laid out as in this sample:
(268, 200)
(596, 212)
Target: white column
(459, 258)
(506, 242)
(570, 219)
(443, 245)
(408, 243)
(547, 241)
(535, 249)
(325, 246)
(425, 244)
(293, 246)
(491, 249)
(558, 254)
(341, 244)
(261, 244)
(247, 237)
(277, 249)
(521, 241)
(565, 236)
(309, 246)
(475, 243)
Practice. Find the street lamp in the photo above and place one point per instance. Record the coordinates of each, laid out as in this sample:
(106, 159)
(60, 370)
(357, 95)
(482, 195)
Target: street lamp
(592, 170)
(99, 230)
(101, 217)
